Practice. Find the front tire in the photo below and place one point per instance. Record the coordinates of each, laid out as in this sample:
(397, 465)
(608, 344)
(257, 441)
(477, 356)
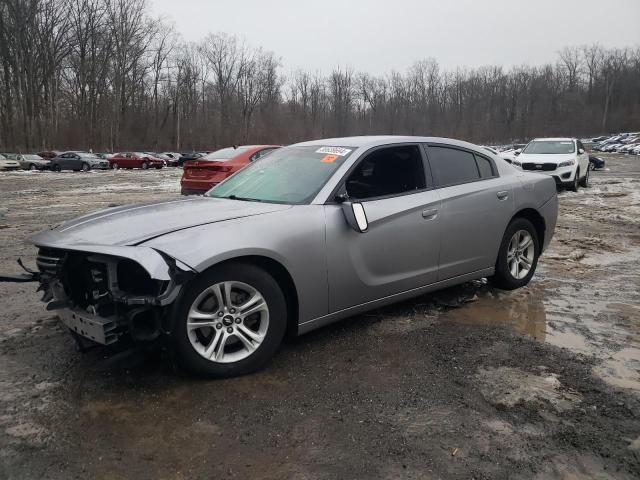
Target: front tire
(585, 181)
(114, 166)
(576, 182)
(57, 168)
(85, 167)
(518, 255)
(32, 167)
(230, 322)
(145, 165)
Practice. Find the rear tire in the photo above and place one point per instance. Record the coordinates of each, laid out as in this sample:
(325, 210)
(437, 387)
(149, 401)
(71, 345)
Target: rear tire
(234, 356)
(512, 263)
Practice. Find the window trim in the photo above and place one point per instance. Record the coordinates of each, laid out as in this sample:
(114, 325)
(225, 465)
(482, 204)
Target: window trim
(496, 173)
(341, 186)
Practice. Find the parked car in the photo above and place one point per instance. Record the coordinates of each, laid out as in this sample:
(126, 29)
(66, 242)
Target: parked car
(185, 157)
(308, 235)
(135, 160)
(8, 165)
(564, 159)
(202, 174)
(510, 155)
(29, 161)
(628, 147)
(595, 163)
(491, 150)
(49, 154)
(172, 158)
(77, 160)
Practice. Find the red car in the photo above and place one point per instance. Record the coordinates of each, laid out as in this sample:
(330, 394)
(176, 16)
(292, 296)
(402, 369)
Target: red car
(202, 174)
(135, 160)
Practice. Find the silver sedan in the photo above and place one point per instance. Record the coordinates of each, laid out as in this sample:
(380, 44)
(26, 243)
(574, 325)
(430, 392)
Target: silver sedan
(311, 234)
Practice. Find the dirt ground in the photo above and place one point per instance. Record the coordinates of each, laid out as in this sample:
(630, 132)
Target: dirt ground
(470, 382)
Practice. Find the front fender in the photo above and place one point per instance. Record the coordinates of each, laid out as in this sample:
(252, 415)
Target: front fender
(295, 238)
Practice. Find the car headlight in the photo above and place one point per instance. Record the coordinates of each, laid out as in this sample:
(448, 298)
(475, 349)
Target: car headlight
(567, 163)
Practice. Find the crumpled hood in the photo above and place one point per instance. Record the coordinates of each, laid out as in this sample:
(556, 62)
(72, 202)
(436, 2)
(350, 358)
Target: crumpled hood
(134, 224)
(541, 158)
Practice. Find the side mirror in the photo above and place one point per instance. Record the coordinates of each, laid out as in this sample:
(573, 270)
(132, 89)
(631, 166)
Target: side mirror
(580, 151)
(516, 153)
(355, 215)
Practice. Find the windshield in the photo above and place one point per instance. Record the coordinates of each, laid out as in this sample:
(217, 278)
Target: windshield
(225, 153)
(291, 175)
(550, 147)
(32, 157)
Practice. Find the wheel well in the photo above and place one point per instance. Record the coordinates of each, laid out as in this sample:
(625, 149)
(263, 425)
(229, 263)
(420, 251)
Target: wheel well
(536, 219)
(284, 279)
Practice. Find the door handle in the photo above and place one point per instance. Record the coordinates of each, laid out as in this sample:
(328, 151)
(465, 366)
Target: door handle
(430, 214)
(503, 195)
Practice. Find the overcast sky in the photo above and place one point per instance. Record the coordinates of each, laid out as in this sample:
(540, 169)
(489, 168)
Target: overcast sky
(377, 36)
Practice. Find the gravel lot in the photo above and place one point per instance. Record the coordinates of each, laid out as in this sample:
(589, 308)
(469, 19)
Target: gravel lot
(470, 382)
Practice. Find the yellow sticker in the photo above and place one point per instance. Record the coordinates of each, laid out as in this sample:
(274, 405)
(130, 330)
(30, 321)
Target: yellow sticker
(329, 158)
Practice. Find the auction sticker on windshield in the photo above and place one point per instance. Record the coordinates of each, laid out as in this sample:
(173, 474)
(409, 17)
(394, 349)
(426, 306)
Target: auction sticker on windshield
(341, 151)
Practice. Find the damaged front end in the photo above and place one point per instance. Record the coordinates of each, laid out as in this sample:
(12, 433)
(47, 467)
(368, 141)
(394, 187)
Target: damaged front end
(104, 294)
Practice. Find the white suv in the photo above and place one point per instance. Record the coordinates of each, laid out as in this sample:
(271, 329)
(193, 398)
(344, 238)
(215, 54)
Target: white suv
(565, 159)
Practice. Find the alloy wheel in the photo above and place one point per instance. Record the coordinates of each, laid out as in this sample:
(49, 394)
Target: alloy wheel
(520, 254)
(228, 322)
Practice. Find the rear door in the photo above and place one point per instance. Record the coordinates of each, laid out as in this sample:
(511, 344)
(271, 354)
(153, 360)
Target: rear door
(399, 250)
(476, 207)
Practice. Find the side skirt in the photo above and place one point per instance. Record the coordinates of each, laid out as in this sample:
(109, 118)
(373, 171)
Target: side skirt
(310, 325)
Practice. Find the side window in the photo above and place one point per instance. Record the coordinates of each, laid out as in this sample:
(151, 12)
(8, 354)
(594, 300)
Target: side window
(451, 166)
(485, 167)
(387, 171)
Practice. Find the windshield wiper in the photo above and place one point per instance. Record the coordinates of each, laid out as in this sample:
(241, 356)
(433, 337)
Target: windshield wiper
(243, 199)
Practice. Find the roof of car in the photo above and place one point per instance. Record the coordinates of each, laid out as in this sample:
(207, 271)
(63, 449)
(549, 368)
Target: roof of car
(554, 139)
(376, 140)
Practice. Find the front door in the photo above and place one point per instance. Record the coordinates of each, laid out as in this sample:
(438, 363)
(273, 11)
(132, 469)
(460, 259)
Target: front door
(399, 251)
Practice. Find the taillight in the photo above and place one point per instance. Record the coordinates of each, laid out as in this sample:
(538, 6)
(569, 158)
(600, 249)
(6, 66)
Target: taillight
(220, 169)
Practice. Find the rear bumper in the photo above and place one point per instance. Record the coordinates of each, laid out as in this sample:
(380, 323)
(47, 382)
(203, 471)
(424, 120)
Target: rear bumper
(196, 187)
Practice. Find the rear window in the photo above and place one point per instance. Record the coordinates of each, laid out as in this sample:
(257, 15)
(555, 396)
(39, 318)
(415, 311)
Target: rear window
(225, 153)
(550, 147)
(485, 167)
(451, 166)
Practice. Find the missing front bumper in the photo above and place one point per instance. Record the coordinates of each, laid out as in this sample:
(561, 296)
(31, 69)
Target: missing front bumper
(92, 327)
